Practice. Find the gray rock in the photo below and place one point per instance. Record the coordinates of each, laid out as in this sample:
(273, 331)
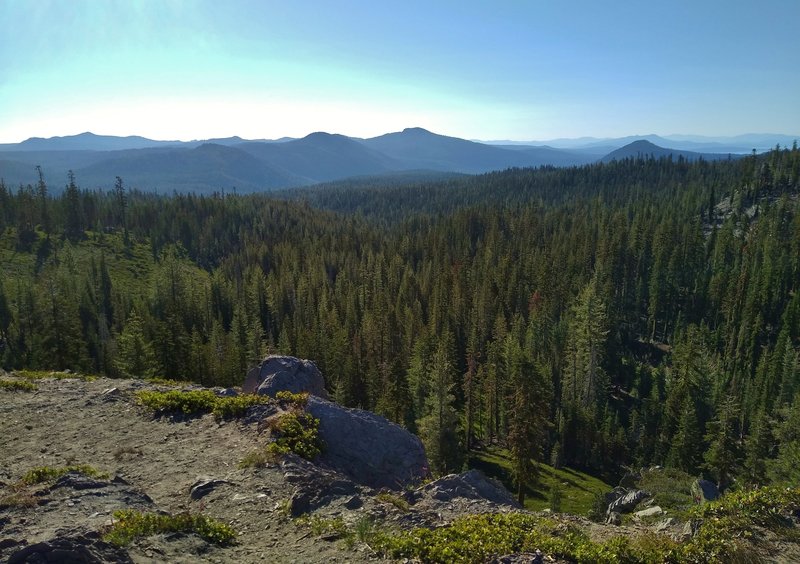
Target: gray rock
(628, 502)
(650, 512)
(354, 502)
(367, 447)
(690, 529)
(664, 525)
(520, 558)
(285, 373)
(469, 485)
(79, 481)
(204, 486)
(315, 487)
(614, 495)
(86, 548)
(704, 491)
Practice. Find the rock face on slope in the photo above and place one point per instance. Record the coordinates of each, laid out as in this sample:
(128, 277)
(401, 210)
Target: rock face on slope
(704, 491)
(367, 447)
(626, 501)
(278, 373)
(470, 485)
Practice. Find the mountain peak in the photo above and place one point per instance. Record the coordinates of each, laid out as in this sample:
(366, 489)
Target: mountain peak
(417, 131)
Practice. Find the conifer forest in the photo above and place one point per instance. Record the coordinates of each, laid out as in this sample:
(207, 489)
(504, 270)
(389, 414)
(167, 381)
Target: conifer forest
(644, 311)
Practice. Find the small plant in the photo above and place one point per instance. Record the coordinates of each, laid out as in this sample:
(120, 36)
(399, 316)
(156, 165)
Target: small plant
(297, 433)
(298, 400)
(19, 498)
(130, 524)
(18, 386)
(259, 459)
(365, 530)
(50, 473)
(324, 526)
(392, 499)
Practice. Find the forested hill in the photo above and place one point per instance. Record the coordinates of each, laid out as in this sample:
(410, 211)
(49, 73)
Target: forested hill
(642, 311)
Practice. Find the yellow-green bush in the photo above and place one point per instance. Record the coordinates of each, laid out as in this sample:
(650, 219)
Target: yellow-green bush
(199, 401)
(130, 524)
(297, 433)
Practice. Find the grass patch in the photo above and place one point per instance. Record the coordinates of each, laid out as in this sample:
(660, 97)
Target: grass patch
(18, 386)
(578, 490)
(19, 498)
(196, 402)
(323, 525)
(259, 459)
(53, 375)
(42, 474)
(392, 499)
(130, 525)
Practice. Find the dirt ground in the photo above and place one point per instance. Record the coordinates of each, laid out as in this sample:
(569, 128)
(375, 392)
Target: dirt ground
(68, 422)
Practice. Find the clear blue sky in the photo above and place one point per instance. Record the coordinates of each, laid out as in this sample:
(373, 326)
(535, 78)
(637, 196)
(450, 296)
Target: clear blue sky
(483, 70)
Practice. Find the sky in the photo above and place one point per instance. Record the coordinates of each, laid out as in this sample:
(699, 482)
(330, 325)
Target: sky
(491, 70)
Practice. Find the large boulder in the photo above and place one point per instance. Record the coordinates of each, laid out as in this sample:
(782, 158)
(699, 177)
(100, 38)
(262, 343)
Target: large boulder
(704, 491)
(367, 447)
(285, 373)
(471, 485)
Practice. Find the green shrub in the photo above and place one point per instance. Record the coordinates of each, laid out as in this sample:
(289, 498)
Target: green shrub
(130, 524)
(297, 433)
(18, 386)
(476, 538)
(50, 473)
(194, 402)
(298, 400)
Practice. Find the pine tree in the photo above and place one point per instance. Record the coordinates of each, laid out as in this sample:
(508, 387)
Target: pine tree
(135, 355)
(73, 224)
(722, 454)
(438, 427)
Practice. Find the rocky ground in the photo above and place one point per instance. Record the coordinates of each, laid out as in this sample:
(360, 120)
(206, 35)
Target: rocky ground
(152, 464)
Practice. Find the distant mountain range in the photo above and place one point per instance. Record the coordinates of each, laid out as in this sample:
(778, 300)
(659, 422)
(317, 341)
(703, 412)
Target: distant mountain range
(258, 165)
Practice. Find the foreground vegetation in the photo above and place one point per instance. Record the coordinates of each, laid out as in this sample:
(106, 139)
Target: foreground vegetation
(728, 531)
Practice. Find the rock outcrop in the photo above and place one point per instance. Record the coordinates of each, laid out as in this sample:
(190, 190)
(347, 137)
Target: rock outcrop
(279, 373)
(367, 447)
(704, 491)
(471, 485)
(627, 502)
(78, 548)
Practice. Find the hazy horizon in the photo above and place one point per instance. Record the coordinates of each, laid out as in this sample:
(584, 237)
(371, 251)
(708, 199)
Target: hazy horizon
(514, 71)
